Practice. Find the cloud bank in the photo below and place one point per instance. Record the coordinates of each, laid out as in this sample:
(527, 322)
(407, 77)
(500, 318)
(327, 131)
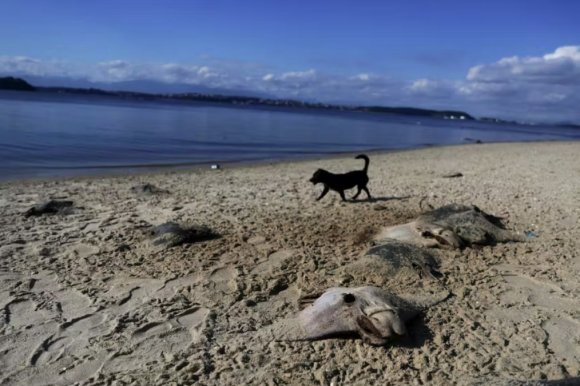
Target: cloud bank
(527, 88)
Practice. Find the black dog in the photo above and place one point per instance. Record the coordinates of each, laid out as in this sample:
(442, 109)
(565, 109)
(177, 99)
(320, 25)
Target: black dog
(341, 182)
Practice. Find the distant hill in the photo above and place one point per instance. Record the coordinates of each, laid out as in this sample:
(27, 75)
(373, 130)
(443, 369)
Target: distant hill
(446, 114)
(570, 125)
(137, 86)
(11, 83)
(129, 90)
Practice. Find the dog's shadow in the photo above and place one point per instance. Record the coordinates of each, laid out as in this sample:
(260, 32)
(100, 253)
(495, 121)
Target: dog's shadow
(379, 199)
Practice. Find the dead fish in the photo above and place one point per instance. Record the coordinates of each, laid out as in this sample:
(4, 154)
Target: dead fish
(148, 189)
(49, 207)
(171, 234)
(392, 259)
(399, 255)
(453, 226)
(371, 313)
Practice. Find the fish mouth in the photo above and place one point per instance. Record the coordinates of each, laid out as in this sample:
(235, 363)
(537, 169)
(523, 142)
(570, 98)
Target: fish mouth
(374, 311)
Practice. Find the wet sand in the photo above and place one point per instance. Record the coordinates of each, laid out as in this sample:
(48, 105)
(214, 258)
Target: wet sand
(87, 298)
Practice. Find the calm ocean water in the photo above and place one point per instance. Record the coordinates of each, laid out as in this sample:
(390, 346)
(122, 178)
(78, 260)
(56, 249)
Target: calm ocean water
(43, 135)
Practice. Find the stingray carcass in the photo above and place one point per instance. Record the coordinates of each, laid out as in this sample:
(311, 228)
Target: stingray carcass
(147, 189)
(373, 314)
(390, 259)
(171, 234)
(454, 226)
(50, 207)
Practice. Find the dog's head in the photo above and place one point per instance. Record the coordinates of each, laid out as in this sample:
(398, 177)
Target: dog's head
(318, 176)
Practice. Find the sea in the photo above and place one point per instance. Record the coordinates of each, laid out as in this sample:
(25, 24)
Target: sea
(45, 134)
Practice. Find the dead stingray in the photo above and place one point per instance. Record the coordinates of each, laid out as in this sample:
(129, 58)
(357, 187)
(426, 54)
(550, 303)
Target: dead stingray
(454, 226)
(171, 234)
(50, 207)
(392, 259)
(371, 313)
(148, 189)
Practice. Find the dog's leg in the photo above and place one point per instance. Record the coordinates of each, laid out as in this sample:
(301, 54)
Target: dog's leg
(341, 192)
(323, 192)
(367, 192)
(357, 193)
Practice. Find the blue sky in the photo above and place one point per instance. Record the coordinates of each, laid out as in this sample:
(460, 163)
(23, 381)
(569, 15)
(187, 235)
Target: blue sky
(488, 57)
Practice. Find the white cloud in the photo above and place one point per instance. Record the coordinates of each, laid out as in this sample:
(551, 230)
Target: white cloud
(537, 87)
(426, 86)
(309, 74)
(174, 73)
(562, 67)
(31, 66)
(529, 83)
(364, 77)
(206, 72)
(115, 70)
(570, 52)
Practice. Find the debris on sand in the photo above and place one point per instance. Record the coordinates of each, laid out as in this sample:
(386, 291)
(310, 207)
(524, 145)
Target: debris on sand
(148, 189)
(371, 313)
(171, 234)
(454, 226)
(50, 207)
(452, 175)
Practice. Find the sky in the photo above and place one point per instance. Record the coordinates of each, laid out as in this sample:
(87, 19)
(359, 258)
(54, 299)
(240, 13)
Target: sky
(509, 59)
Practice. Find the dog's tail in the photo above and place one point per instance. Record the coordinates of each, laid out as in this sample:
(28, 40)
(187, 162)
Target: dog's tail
(362, 156)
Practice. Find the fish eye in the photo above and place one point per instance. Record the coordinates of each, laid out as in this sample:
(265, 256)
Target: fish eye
(348, 298)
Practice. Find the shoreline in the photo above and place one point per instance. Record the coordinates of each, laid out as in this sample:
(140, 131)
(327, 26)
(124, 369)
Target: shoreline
(143, 170)
(87, 297)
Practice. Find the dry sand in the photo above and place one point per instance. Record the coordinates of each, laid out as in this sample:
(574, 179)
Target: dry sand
(86, 298)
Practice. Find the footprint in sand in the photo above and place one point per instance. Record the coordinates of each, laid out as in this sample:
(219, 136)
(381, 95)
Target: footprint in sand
(151, 329)
(22, 313)
(526, 289)
(52, 330)
(275, 260)
(525, 300)
(194, 320)
(259, 242)
(224, 280)
(191, 321)
(82, 251)
(50, 351)
(564, 339)
(149, 342)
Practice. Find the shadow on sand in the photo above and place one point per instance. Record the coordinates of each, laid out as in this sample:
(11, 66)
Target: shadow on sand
(379, 199)
(418, 334)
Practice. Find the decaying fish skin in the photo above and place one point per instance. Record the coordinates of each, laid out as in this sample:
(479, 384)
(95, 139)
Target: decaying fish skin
(391, 260)
(373, 314)
(50, 207)
(147, 189)
(171, 234)
(452, 226)
(399, 254)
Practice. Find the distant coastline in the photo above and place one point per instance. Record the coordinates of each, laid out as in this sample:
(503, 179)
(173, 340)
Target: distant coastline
(19, 84)
(11, 83)
(16, 84)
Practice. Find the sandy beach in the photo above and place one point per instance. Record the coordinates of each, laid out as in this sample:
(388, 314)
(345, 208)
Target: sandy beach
(87, 298)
